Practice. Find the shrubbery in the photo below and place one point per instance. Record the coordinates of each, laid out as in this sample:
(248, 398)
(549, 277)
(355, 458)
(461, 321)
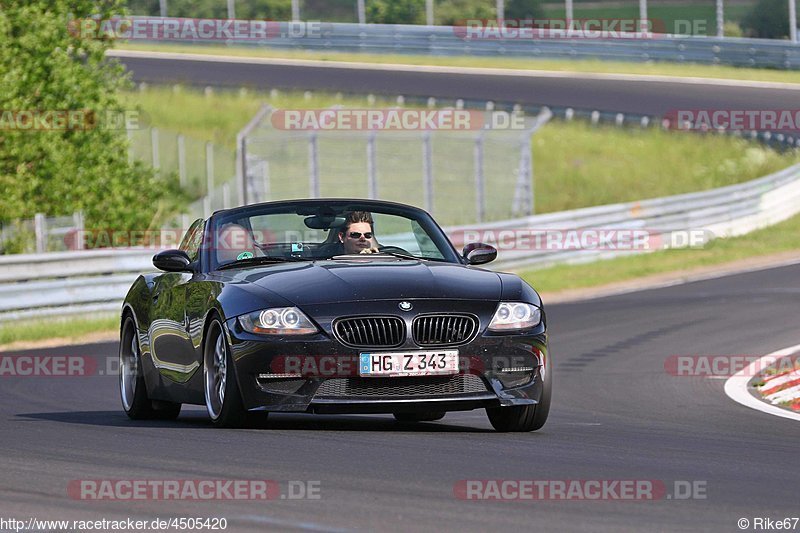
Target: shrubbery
(769, 19)
(378, 11)
(46, 67)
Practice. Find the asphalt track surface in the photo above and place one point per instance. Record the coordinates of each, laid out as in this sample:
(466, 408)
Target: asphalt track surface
(645, 97)
(617, 415)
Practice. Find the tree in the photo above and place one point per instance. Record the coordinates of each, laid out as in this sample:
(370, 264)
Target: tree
(450, 12)
(396, 11)
(48, 66)
(768, 19)
(524, 9)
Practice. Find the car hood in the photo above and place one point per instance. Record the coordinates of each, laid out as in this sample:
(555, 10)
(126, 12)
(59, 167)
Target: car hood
(347, 281)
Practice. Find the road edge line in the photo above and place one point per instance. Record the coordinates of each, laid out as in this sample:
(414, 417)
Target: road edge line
(736, 385)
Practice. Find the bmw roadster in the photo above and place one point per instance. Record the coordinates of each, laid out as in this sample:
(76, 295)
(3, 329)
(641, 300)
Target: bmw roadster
(332, 306)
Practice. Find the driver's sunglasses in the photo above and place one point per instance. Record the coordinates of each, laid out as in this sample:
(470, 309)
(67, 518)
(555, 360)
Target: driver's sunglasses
(357, 235)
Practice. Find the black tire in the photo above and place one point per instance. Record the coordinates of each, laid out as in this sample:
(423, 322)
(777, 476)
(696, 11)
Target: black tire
(165, 410)
(524, 417)
(223, 399)
(425, 416)
(133, 390)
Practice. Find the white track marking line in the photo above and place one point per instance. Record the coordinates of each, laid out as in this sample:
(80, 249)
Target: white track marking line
(736, 386)
(395, 67)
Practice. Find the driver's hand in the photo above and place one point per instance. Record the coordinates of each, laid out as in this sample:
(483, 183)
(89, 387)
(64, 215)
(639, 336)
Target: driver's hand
(372, 250)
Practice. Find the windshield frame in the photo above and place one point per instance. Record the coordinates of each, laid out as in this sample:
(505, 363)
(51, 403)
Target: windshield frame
(314, 206)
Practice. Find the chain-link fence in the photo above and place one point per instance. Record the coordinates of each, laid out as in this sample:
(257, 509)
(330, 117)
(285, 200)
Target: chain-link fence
(42, 234)
(458, 176)
(205, 169)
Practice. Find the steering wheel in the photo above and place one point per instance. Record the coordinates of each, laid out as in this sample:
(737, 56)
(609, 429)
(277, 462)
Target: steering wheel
(394, 249)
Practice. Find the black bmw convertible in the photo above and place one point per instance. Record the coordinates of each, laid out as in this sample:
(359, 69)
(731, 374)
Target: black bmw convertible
(332, 306)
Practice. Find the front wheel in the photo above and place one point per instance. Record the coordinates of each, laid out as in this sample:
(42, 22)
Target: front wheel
(223, 400)
(524, 417)
(133, 391)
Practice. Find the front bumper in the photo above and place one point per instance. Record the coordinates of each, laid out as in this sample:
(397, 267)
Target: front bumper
(496, 370)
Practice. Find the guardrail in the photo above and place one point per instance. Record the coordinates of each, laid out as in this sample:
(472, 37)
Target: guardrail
(453, 40)
(90, 281)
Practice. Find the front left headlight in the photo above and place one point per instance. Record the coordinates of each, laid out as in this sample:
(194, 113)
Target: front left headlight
(515, 315)
(277, 321)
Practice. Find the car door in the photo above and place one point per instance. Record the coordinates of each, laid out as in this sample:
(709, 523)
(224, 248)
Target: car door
(173, 350)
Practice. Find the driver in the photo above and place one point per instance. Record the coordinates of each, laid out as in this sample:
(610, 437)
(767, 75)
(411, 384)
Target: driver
(357, 236)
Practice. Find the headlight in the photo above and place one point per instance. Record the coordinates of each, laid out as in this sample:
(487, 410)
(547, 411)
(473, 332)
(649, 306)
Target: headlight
(515, 315)
(278, 321)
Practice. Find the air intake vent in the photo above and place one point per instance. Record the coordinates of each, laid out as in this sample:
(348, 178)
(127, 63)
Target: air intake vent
(443, 330)
(371, 331)
(408, 387)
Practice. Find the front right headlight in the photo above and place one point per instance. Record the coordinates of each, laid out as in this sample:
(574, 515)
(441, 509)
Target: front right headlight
(511, 316)
(278, 321)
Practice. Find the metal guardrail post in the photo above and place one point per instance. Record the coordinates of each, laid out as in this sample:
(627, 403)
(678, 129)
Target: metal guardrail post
(313, 165)
(162, 7)
(231, 9)
(40, 229)
(427, 171)
(295, 10)
(362, 12)
(480, 185)
(77, 219)
(569, 12)
(241, 152)
(720, 19)
(501, 10)
(429, 12)
(793, 21)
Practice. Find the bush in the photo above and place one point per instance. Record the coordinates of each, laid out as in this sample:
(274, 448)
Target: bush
(47, 67)
(732, 29)
(396, 11)
(215, 9)
(769, 19)
(524, 9)
(451, 12)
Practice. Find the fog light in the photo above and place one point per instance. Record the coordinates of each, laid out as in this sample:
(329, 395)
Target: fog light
(515, 376)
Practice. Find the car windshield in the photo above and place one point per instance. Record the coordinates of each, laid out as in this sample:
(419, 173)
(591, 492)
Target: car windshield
(319, 230)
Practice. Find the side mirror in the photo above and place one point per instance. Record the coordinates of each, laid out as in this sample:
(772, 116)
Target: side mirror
(477, 253)
(172, 261)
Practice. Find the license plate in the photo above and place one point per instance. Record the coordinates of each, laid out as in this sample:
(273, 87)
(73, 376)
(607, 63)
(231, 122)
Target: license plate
(396, 364)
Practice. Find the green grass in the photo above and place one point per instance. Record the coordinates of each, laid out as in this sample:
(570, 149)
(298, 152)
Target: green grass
(67, 328)
(576, 164)
(586, 66)
(779, 238)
